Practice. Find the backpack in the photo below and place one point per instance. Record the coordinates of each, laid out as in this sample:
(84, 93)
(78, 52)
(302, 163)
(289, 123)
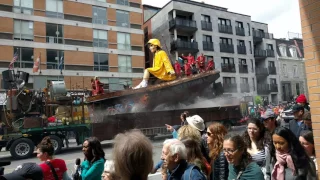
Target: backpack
(188, 171)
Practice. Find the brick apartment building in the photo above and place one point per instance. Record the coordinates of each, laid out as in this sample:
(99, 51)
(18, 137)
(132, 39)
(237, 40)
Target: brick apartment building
(310, 16)
(86, 37)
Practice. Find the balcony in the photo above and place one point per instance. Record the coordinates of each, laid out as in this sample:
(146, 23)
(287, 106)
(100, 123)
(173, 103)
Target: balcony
(228, 68)
(262, 71)
(263, 88)
(244, 87)
(270, 53)
(225, 29)
(228, 48)
(242, 49)
(230, 88)
(240, 31)
(274, 87)
(259, 35)
(207, 26)
(243, 68)
(183, 25)
(184, 46)
(54, 40)
(272, 70)
(207, 46)
(260, 54)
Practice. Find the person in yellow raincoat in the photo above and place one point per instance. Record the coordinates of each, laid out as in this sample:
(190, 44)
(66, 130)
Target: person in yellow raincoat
(162, 67)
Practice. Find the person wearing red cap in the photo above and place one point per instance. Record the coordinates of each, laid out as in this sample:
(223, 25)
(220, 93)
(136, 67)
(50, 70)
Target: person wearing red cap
(302, 100)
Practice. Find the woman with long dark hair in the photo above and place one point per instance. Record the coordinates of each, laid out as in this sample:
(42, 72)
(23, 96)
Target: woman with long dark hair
(241, 166)
(257, 140)
(288, 159)
(93, 165)
(307, 142)
(215, 135)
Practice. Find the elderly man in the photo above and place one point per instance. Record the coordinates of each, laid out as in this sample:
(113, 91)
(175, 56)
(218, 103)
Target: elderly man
(174, 155)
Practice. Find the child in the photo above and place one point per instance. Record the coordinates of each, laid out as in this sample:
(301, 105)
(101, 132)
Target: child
(187, 68)
(210, 65)
(177, 69)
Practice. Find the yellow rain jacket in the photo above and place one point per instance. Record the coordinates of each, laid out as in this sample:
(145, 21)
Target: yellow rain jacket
(162, 66)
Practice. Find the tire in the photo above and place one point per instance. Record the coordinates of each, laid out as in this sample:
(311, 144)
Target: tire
(22, 148)
(57, 143)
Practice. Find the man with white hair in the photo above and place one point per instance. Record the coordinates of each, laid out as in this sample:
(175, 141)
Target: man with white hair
(174, 155)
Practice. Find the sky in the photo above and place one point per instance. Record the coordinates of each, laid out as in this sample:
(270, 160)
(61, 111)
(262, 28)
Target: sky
(282, 16)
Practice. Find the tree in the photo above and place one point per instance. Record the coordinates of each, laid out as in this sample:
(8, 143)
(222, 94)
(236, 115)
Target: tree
(258, 100)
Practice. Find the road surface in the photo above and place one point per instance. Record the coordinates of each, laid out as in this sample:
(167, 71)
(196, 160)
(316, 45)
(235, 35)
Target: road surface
(69, 155)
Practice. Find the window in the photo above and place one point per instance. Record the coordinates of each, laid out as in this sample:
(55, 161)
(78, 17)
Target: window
(240, 42)
(102, 0)
(250, 47)
(123, 2)
(117, 84)
(54, 33)
(100, 62)
(284, 69)
(298, 88)
(273, 81)
(207, 38)
(205, 18)
(295, 71)
(100, 38)
(229, 80)
(124, 64)
(239, 24)
(55, 59)
(227, 60)
(271, 64)
(122, 18)
(226, 41)
(23, 30)
(243, 61)
(123, 40)
(244, 81)
(293, 52)
(54, 8)
(283, 50)
(249, 29)
(269, 47)
(224, 22)
(25, 57)
(23, 6)
(99, 15)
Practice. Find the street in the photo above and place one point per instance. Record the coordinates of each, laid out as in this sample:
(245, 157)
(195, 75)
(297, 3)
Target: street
(74, 152)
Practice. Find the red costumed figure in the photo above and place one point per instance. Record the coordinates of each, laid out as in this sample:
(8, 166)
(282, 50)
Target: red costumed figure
(210, 65)
(187, 68)
(177, 68)
(97, 86)
(201, 62)
(190, 59)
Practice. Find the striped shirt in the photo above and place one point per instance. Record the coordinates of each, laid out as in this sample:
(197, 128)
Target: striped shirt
(259, 158)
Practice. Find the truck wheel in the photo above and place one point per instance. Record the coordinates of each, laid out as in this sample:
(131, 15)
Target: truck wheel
(22, 148)
(57, 143)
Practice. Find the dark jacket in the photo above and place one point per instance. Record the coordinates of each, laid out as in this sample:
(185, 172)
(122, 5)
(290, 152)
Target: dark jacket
(185, 171)
(296, 129)
(220, 169)
(252, 172)
(308, 173)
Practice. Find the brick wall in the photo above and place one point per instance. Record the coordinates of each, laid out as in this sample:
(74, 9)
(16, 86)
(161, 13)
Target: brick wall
(310, 16)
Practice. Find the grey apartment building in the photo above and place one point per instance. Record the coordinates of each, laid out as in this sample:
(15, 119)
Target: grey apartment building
(242, 49)
(292, 68)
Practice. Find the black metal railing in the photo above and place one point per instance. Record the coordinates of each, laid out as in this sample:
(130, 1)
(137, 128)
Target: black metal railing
(262, 71)
(272, 70)
(243, 68)
(182, 23)
(230, 87)
(245, 87)
(207, 26)
(274, 87)
(261, 34)
(240, 31)
(184, 45)
(228, 67)
(225, 29)
(260, 53)
(228, 48)
(270, 53)
(263, 88)
(242, 49)
(207, 46)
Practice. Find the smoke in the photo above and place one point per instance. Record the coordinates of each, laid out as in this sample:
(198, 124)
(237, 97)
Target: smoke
(200, 103)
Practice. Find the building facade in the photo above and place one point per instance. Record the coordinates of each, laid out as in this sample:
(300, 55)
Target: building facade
(292, 69)
(242, 49)
(75, 40)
